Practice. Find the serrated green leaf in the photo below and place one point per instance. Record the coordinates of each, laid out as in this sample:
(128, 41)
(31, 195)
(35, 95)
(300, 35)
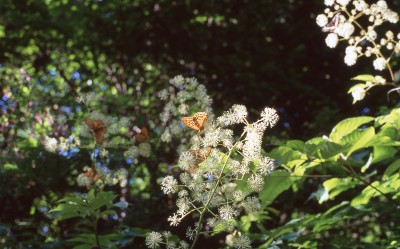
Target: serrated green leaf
(346, 126)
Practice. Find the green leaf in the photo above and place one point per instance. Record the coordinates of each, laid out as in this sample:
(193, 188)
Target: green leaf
(393, 167)
(83, 246)
(364, 77)
(362, 142)
(367, 194)
(346, 126)
(296, 145)
(84, 238)
(335, 186)
(330, 149)
(72, 199)
(381, 153)
(287, 156)
(275, 184)
(102, 199)
(223, 226)
(66, 211)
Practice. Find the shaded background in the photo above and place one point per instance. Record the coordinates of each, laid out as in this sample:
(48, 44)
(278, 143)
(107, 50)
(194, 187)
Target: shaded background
(256, 53)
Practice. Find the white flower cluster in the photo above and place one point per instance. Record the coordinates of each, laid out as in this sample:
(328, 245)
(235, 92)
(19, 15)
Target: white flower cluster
(155, 239)
(62, 144)
(102, 176)
(212, 167)
(181, 96)
(341, 18)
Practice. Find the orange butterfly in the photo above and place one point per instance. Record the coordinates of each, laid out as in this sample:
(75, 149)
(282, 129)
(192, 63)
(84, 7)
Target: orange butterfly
(143, 135)
(98, 127)
(93, 175)
(200, 156)
(197, 121)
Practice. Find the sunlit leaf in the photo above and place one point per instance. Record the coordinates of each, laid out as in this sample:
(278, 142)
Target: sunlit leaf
(392, 168)
(346, 126)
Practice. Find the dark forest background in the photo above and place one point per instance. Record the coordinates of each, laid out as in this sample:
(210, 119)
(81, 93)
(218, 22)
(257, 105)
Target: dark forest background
(255, 53)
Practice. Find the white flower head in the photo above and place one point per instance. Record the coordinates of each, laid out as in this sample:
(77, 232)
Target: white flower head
(358, 94)
(226, 212)
(256, 182)
(153, 240)
(329, 2)
(360, 5)
(345, 30)
(332, 40)
(322, 20)
(177, 81)
(169, 185)
(379, 63)
(237, 114)
(380, 79)
(184, 245)
(371, 35)
(242, 242)
(183, 205)
(212, 136)
(343, 2)
(190, 233)
(265, 165)
(183, 109)
(270, 116)
(252, 204)
(252, 146)
(174, 220)
(50, 144)
(351, 56)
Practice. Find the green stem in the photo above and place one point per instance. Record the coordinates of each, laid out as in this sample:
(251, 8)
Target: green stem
(213, 192)
(96, 232)
(355, 175)
(209, 200)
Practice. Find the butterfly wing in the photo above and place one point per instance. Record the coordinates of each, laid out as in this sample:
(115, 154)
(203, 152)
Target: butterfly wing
(188, 121)
(99, 134)
(200, 118)
(197, 121)
(98, 127)
(143, 135)
(93, 175)
(200, 155)
(333, 24)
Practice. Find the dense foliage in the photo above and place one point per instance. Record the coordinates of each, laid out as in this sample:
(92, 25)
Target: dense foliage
(92, 138)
